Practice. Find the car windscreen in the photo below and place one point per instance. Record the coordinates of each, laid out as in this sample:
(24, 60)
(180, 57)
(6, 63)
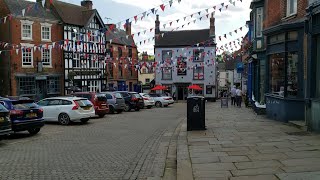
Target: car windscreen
(118, 95)
(101, 97)
(25, 104)
(146, 95)
(84, 102)
(136, 95)
(88, 96)
(2, 108)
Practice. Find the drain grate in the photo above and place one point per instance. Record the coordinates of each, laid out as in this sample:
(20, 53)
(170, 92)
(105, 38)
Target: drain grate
(300, 133)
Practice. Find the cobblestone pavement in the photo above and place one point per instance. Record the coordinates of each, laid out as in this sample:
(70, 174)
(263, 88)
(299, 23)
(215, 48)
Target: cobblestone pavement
(241, 145)
(120, 146)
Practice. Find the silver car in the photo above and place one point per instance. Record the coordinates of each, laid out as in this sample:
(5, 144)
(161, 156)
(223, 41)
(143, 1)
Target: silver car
(115, 101)
(160, 101)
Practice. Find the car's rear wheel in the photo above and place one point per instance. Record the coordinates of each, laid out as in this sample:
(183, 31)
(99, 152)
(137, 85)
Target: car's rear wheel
(84, 120)
(119, 111)
(127, 108)
(34, 131)
(111, 109)
(101, 115)
(64, 119)
(149, 107)
(137, 109)
(158, 104)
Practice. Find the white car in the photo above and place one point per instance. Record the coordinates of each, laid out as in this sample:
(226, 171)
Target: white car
(169, 98)
(160, 101)
(67, 109)
(148, 100)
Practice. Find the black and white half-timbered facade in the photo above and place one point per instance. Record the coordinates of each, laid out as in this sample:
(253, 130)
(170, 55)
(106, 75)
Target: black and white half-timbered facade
(83, 48)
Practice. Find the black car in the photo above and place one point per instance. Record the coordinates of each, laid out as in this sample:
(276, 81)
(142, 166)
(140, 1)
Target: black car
(133, 100)
(5, 125)
(25, 114)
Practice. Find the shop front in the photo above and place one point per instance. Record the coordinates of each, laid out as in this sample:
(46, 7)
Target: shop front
(285, 83)
(313, 68)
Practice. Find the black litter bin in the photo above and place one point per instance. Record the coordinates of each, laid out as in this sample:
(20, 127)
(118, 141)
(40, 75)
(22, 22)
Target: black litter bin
(196, 113)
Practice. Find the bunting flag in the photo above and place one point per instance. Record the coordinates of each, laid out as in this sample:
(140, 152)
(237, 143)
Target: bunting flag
(162, 6)
(170, 2)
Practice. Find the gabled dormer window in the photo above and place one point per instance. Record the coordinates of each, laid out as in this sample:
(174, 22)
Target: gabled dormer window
(291, 7)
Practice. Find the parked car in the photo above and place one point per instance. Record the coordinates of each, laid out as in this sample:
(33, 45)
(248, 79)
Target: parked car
(98, 100)
(132, 100)
(115, 101)
(169, 98)
(160, 101)
(67, 109)
(148, 100)
(5, 124)
(25, 114)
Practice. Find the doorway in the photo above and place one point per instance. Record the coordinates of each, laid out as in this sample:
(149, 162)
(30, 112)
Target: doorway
(182, 91)
(41, 89)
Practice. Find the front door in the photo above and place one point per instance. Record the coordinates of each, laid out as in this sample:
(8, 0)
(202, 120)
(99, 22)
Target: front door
(180, 93)
(41, 88)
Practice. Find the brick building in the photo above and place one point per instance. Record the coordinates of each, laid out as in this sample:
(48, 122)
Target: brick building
(30, 65)
(285, 59)
(122, 59)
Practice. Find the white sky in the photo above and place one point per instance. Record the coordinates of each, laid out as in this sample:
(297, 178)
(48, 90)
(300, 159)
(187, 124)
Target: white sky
(227, 20)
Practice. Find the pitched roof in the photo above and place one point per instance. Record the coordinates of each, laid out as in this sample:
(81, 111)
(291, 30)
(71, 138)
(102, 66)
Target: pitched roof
(119, 36)
(182, 38)
(73, 14)
(36, 9)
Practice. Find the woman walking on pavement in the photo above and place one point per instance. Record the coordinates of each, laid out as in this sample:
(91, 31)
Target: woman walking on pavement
(239, 96)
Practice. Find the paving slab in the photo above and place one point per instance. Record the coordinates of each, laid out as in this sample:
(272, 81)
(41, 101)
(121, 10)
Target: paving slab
(250, 147)
(299, 176)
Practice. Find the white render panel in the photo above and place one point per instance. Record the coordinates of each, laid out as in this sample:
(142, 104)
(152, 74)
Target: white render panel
(209, 67)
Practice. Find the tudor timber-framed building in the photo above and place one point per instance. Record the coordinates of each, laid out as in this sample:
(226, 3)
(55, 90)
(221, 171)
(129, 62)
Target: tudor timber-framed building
(84, 46)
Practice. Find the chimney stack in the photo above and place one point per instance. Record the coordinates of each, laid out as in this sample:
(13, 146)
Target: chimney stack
(128, 28)
(212, 26)
(87, 3)
(157, 25)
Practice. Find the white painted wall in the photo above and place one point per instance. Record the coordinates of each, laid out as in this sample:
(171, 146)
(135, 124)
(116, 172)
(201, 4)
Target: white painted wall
(209, 67)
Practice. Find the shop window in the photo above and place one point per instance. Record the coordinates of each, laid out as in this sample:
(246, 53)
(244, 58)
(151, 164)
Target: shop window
(293, 35)
(209, 89)
(292, 74)
(277, 74)
(27, 86)
(167, 73)
(200, 92)
(277, 38)
(53, 84)
(182, 66)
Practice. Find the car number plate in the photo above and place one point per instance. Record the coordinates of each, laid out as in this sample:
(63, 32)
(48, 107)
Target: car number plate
(31, 115)
(86, 108)
(103, 107)
(1, 119)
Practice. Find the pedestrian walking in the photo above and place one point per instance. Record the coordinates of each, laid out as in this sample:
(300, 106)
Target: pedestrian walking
(233, 95)
(239, 96)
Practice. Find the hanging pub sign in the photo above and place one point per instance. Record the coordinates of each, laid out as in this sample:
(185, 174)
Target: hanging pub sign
(240, 67)
(182, 66)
